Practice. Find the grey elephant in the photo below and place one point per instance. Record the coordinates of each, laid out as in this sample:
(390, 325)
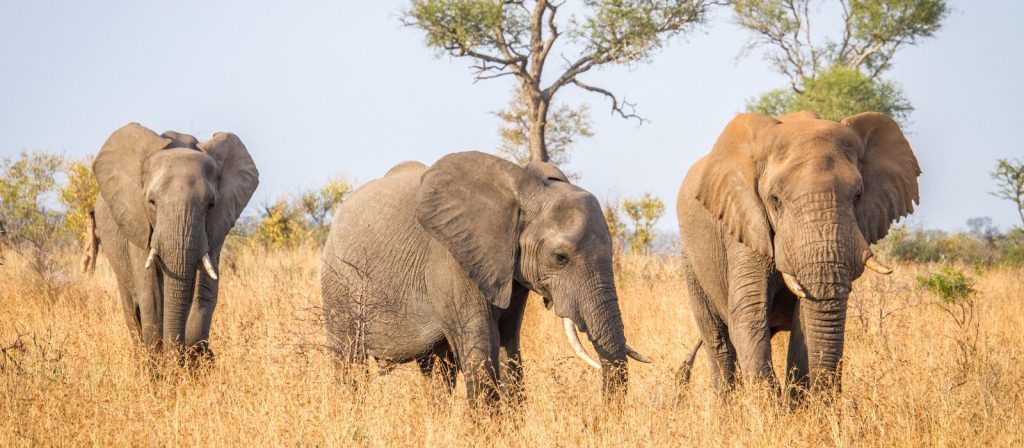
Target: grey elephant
(166, 203)
(776, 223)
(434, 265)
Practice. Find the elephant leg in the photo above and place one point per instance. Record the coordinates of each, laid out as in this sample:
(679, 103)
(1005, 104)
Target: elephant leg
(448, 369)
(748, 313)
(748, 331)
(149, 295)
(131, 313)
(118, 255)
(797, 365)
(440, 368)
(476, 345)
(713, 333)
(197, 327)
(721, 355)
(510, 359)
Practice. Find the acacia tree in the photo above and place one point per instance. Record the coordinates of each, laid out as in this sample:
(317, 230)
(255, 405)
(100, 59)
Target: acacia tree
(517, 37)
(565, 126)
(840, 76)
(1009, 177)
(644, 212)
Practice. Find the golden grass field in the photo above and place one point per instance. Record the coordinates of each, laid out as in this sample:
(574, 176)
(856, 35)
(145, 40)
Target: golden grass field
(73, 377)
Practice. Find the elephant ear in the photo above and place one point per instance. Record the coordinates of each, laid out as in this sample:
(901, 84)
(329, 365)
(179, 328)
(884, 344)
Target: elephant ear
(118, 168)
(179, 140)
(728, 186)
(237, 178)
(546, 172)
(468, 202)
(889, 170)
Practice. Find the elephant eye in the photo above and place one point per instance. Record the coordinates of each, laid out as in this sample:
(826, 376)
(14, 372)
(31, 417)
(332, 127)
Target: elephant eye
(211, 205)
(856, 198)
(152, 202)
(774, 200)
(561, 259)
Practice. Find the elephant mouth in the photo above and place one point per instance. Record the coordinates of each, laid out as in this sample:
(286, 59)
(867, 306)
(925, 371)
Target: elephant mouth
(798, 289)
(548, 303)
(573, 337)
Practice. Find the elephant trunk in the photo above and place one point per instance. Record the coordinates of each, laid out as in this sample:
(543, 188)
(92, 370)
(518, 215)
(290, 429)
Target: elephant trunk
(829, 249)
(603, 321)
(181, 242)
(823, 324)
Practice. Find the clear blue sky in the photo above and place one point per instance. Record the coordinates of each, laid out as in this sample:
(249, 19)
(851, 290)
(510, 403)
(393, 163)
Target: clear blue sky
(316, 88)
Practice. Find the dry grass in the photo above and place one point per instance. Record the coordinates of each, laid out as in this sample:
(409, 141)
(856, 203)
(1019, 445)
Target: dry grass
(73, 378)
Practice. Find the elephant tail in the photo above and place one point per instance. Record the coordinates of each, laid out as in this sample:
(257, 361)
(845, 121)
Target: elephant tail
(683, 376)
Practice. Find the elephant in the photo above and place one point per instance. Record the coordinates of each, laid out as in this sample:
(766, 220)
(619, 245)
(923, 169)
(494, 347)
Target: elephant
(776, 222)
(165, 206)
(434, 265)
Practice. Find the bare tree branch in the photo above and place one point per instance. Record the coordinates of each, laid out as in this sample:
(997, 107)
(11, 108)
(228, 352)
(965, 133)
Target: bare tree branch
(844, 45)
(553, 32)
(574, 69)
(617, 106)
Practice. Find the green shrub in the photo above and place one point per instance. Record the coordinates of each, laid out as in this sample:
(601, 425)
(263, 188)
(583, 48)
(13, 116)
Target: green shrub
(307, 217)
(985, 248)
(949, 284)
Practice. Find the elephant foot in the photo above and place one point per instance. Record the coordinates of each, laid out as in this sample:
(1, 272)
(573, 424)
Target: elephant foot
(198, 355)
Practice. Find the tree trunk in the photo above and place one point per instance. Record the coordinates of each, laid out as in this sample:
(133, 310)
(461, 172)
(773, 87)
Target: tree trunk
(538, 125)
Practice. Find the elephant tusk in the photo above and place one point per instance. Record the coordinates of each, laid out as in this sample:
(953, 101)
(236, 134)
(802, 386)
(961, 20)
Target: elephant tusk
(208, 265)
(874, 265)
(687, 368)
(574, 341)
(637, 355)
(150, 258)
(794, 285)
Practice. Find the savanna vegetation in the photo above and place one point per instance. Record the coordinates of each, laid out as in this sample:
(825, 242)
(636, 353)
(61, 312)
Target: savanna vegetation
(840, 72)
(933, 353)
(933, 358)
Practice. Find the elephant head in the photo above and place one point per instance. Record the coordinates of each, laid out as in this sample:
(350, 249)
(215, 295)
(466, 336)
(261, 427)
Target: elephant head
(503, 223)
(177, 199)
(812, 195)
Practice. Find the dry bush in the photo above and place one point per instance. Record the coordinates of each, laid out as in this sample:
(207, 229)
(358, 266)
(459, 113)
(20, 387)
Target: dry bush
(73, 377)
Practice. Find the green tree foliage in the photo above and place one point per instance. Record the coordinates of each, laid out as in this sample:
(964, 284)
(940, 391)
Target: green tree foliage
(32, 228)
(26, 182)
(643, 212)
(871, 33)
(1009, 177)
(78, 194)
(837, 93)
(566, 126)
(516, 37)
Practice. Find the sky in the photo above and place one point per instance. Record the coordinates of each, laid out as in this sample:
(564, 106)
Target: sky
(320, 88)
